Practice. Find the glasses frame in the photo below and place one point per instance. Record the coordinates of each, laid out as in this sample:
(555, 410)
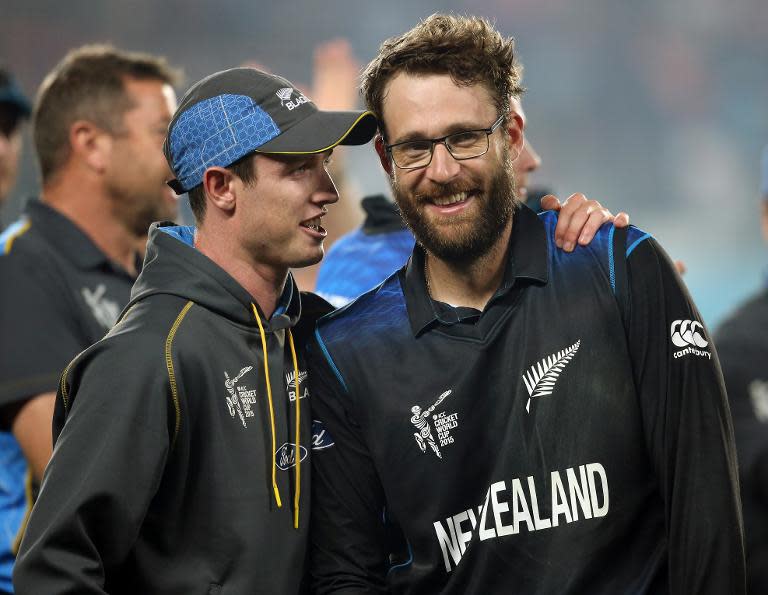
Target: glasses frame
(443, 141)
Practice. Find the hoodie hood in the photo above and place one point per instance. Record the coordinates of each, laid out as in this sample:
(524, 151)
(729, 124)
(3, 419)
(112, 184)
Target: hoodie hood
(172, 265)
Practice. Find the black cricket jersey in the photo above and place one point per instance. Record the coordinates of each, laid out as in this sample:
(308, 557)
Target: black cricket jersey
(742, 344)
(574, 437)
(58, 294)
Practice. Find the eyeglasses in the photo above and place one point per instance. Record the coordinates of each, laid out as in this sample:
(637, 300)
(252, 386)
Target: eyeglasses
(467, 144)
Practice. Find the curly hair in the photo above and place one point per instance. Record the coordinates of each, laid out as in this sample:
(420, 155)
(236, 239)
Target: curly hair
(467, 48)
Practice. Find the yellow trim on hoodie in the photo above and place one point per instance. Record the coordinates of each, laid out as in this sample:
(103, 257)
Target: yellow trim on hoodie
(171, 373)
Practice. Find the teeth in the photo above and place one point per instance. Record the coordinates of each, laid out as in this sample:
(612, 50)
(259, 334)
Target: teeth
(313, 224)
(449, 200)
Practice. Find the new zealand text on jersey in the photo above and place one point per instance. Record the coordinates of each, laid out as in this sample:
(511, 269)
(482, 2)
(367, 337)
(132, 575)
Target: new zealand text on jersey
(510, 509)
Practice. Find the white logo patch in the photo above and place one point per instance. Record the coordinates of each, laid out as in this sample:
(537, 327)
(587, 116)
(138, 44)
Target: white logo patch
(285, 95)
(540, 378)
(758, 394)
(240, 400)
(104, 311)
(285, 457)
(689, 334)
(290, 383)
(443, 421)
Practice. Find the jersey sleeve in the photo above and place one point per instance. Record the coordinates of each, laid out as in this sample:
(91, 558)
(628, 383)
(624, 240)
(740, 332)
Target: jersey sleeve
(107, 464)
(348, 552)
(40, 335)
(688, 427)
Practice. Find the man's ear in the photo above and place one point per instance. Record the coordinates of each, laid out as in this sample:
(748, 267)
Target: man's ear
(90, 144)
(381, 150)
(515, 127)
(219, 187)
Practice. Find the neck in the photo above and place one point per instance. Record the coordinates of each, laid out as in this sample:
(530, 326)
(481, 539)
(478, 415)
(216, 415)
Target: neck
(88, 207)
(264, 283)
(469, 284)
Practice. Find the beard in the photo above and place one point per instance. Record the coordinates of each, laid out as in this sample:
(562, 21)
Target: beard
(466, 238)
(138, 208)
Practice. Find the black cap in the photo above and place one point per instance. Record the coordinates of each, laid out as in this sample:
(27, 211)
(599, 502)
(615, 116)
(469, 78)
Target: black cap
(11, 94)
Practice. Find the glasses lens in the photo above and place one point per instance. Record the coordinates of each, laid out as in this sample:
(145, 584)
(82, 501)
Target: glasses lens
(412, 154)
(465, 145)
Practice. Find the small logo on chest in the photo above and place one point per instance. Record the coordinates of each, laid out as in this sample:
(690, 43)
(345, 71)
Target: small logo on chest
(541, 377)
(241, 399)
(104, 310)
(443, 422)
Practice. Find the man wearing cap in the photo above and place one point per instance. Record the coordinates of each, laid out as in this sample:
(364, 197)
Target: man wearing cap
(68, 264)
(14, 109)
(742, 343)
(182, 437)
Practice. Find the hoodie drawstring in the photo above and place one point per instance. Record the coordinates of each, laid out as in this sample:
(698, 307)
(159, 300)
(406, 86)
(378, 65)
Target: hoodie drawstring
(272, 418)
(298, 434)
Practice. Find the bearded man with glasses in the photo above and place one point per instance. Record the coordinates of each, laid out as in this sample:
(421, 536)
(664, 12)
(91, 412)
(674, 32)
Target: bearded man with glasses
(582, 438)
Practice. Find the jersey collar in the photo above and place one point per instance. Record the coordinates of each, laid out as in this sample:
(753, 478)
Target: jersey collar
(528, 256)
(68, 239)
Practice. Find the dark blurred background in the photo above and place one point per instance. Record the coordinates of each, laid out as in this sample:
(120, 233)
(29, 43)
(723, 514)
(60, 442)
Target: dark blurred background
(655, 107)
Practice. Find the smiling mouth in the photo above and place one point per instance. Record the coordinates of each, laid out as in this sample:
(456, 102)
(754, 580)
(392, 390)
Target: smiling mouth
(452, 199)
(314, 226)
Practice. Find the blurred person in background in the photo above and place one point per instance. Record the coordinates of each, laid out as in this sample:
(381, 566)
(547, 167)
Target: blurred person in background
(365, 257)
(67, 266)
(14, 110)
(742, 343)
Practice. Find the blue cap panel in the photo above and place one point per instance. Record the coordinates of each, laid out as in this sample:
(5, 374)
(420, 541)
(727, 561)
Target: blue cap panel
(217, 132)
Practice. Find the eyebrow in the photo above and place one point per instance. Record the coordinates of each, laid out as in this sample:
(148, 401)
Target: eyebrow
(452, 129)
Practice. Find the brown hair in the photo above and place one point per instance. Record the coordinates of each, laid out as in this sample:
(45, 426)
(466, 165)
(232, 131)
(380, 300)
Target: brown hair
(467, 48)
(88, 84)
(244, 168)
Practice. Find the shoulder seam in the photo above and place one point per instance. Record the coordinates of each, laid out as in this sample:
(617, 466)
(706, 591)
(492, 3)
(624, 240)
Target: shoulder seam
(16, 235)
(329, 359)
(636, 243)
(171, 372)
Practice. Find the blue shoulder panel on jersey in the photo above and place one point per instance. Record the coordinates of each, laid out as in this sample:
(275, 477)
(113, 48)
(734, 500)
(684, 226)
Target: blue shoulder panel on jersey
(381, 309)
(634, 237)
(329, 359)
(611, 263)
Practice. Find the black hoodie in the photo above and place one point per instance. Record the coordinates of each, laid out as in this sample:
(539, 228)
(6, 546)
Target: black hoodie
(175, 467)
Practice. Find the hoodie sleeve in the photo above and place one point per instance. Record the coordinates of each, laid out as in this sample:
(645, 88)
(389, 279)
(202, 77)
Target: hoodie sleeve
(689, 434)
(348, 554)
(107, 463)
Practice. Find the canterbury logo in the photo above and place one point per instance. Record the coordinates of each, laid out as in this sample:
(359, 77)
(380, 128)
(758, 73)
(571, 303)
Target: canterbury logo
(284, 94)
(541, 377)
(686, 332)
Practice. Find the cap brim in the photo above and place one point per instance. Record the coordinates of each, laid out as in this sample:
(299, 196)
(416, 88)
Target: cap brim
(322, 131)
(13, 97)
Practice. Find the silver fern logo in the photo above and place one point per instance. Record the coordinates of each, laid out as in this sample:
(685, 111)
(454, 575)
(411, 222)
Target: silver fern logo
(540, 379)
(284, 94)
(290, 384)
